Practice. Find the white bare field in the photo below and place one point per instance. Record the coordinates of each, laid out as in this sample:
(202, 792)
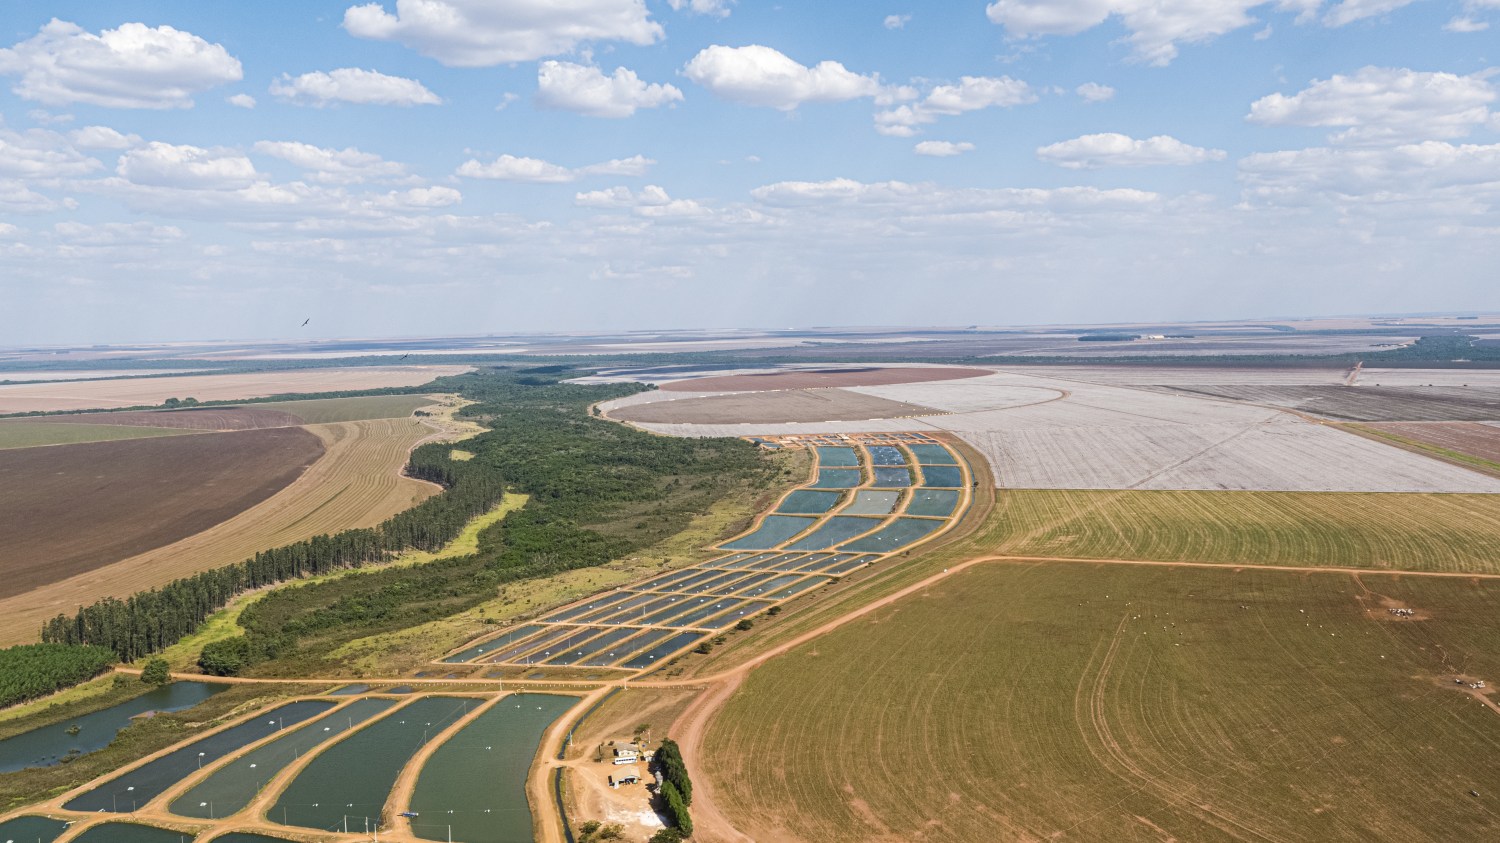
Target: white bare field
(1039, 431)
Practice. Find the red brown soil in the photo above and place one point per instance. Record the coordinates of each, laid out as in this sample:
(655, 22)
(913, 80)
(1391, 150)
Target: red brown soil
(206, 418)
(67, 511)
(1472, 438)
(812, 378)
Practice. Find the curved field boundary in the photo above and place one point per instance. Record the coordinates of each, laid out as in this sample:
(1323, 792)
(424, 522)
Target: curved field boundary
(356, 483)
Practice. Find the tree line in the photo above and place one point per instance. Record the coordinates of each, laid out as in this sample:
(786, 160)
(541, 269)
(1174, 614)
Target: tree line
(676, 787)
(28, 671)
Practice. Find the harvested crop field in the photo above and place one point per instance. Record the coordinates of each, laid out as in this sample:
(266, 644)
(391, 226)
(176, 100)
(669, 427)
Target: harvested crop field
(1367, 402)
(136, 392)
(1480, 441)
(69, 510)
(1108, 702)
(1448, 533)
(802, 405)
(252, 416)
(32, 434)
(357, 483)
(815, 378)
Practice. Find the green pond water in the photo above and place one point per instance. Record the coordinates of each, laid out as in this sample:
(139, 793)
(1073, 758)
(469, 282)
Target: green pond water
(48, 745)
(139, 786)
(894, 536)
(809, 502)
(942, 476)
(232, 787)
(839, 528)
(838, 478)
(475, 784)
(936, 502)
(348, 784)
(31, 830)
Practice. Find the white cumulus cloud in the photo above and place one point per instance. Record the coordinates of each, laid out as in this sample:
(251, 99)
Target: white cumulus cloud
(241, 101)
(942, 149)
(484, 33)
(1453, 178)
(182, 166)
(41, 154)
(352, 85)
(586, 90)
(333, 166)
(1094, 92)
(1111, 149)
(972, 93)
(536, 170)
(759, 75)
(1349, 11)
(1156, 27)
(132, 66)
(1377, 104)
(897, 21)
(717, 8)
(102, 137)
(650, 201)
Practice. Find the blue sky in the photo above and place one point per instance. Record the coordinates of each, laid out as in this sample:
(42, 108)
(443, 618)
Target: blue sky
(178, 170)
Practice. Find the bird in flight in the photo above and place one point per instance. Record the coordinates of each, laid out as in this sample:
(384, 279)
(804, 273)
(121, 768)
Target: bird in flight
(403, 357)
(305, 321)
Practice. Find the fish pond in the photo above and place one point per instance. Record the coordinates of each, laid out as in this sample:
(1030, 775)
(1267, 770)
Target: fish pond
(347, 784)
(132, 833)
(49, 745)
(31, 830)
(473, 789)
(139, 786)
(231, 787)
(773, 531)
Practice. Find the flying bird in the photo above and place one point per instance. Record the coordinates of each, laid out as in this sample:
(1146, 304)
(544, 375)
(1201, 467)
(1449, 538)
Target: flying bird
(404, 356)
(305, 321)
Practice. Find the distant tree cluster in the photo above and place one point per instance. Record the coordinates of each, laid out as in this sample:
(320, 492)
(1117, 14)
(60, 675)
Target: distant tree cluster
(29, 671)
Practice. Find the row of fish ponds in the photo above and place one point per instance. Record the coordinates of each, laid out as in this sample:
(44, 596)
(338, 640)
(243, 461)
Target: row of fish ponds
(333, 762)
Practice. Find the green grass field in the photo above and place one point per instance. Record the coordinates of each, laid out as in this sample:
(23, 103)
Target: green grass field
(330, 410)
(1107, 702)
(1398, 531)
(31, 434)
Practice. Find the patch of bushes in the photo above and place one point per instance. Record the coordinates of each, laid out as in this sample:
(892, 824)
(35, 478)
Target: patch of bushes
(29, 671)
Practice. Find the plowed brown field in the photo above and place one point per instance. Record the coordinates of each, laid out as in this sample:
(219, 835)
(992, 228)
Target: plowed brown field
(71, 509)
(356, 483)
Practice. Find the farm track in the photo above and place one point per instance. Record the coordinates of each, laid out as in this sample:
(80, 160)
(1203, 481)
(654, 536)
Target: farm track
(356, 483)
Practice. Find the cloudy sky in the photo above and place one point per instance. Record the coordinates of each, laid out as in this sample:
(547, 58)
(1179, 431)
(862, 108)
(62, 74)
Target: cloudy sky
(174, 169)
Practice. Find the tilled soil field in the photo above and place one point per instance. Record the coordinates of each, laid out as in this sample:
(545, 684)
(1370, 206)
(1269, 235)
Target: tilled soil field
(70, 510)
(801, 405)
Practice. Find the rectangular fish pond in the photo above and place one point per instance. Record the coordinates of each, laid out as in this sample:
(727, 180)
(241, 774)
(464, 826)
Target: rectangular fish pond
(348, 784)
(838, 478)
(872, 503)
(132, 833)
(886, 455)
(49, 745)
(933, 502)
(773, 531)
(493, 644)
(835, 530)
(473, 789)
(232, 787)
(123, 794)
(932, 455)
(809, 502)
(833, 456)
(653, 656)
(32, 829)
(942, 476)
(892, 478)
(894, 536)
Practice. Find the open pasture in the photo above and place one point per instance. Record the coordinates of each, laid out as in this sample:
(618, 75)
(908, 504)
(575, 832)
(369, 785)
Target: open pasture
(137, 392)
(255, 417)
(804, 405)
(70, 510)
(1107, 702)
(1447, 533)
(33, 434)
(826, 377)
(356, 483)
